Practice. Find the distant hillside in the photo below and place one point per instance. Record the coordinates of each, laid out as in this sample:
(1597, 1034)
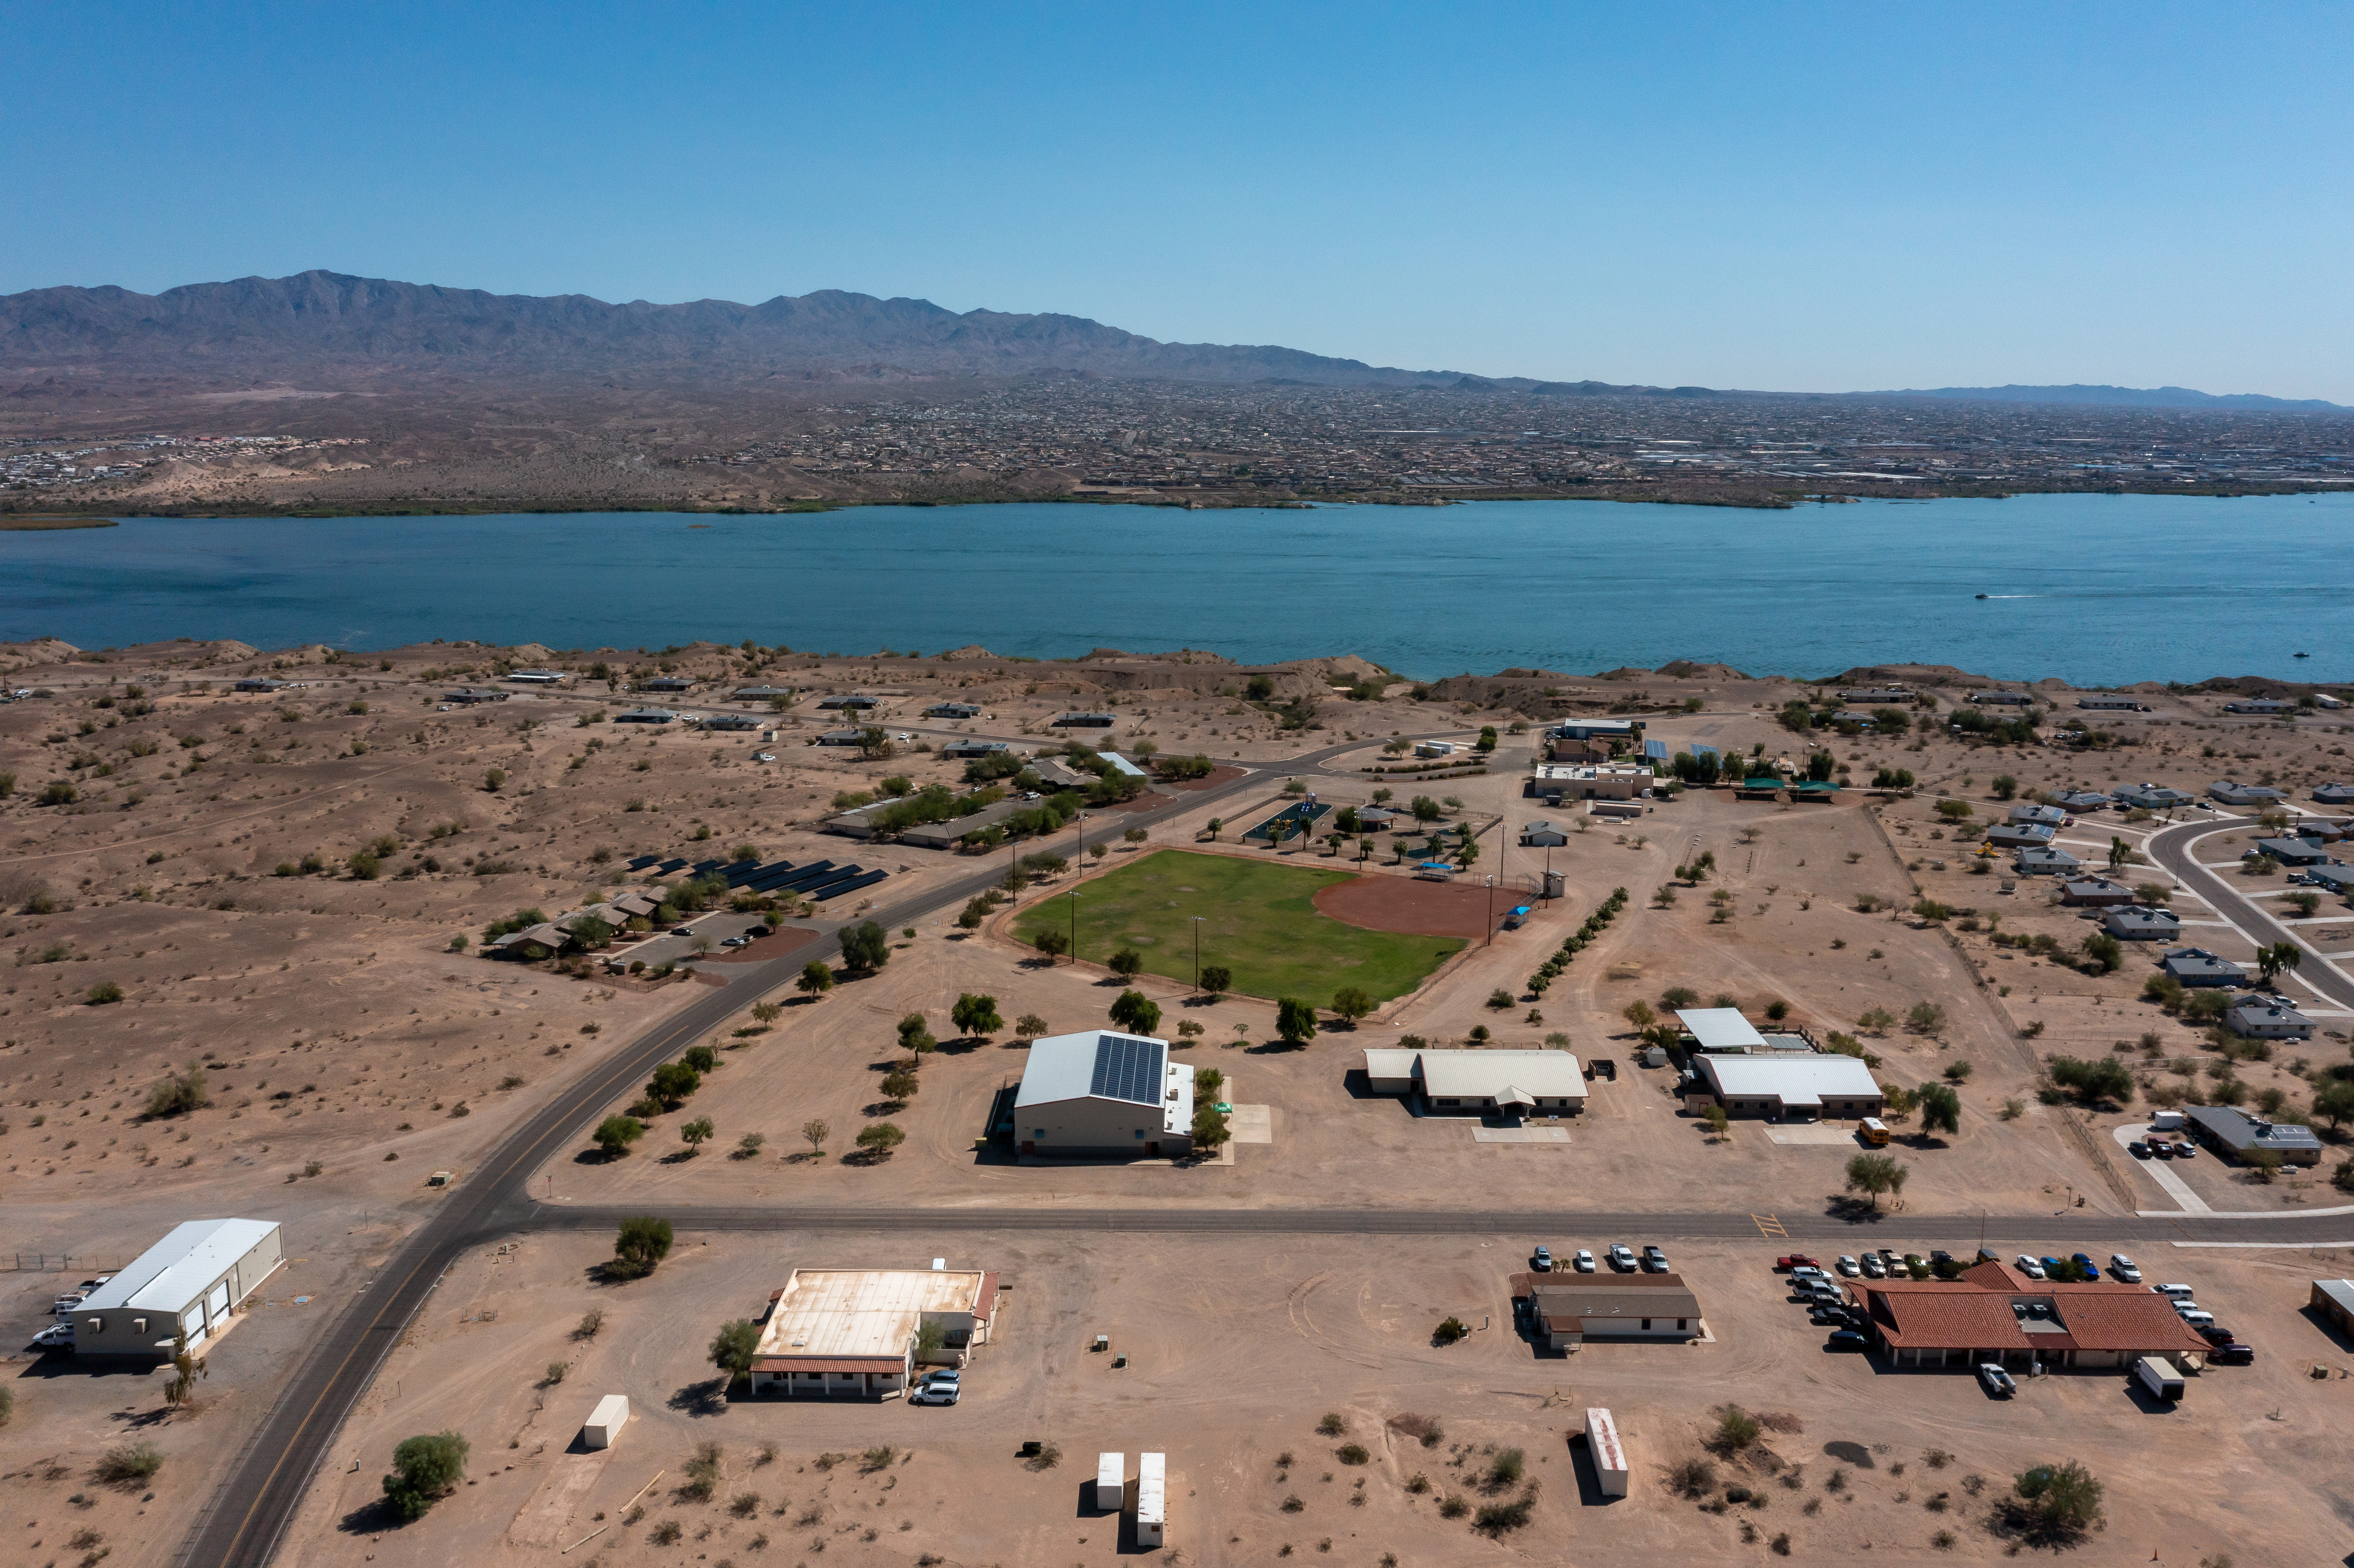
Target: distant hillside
(326, 322)
(2118, 398)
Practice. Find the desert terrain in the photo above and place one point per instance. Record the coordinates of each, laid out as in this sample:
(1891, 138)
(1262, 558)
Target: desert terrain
(289, 892)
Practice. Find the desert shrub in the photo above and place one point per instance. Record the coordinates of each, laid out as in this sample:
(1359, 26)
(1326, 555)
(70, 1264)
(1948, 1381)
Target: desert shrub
(1735, 1428)
(179, 1095)
(130, 1463)
(1354, 1454)
(1507, 1467)
(1693, 1476)
(1497, 1517)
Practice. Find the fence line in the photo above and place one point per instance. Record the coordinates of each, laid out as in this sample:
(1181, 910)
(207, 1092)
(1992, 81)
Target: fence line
(56, 1263)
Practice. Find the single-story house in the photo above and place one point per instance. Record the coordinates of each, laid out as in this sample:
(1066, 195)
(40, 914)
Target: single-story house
(1481, 1082)
(1542, 835)
(472, 697)
(1434, 749)
(2094, 891)
(2080, 801)
(1781, 1086)
(1849, 715)
(2259, 1017)
(1578, 751)
(760, 694)
(646, 716)
(732, 722)
(2319, 828)
(1086, 721)
(2003, 699)
(670, 684)
(1056, 774)
(1627, 730)
(1557, 781)
(2046, 862)
(2142, 923)
(856, 1333)
(2233, 793)
(847, 702)
(1567, 1310)
(2197, 967)
(2151, 797)
(2037, 816)
(2019, 835)
(2234, 1132)
(538, 677)
(2114, 704)
(842, 738)
(2334, 1300)
(258, 683)
(2334, 794)
(192, 1282)
(944, 835)
(2292, 850)
(2337, 878)
(974, 748)
(2272, 705)
(1101, 1092)
(1122, 766)
(1879, 696)
(953, 711)
(1994, 1313)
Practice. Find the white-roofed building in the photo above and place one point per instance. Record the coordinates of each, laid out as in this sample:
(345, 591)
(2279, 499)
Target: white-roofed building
(1721, 1029)
(192, 1281)
(1103, 1093)
(1782, 1086)
(1481, 1082)
(855, 1333)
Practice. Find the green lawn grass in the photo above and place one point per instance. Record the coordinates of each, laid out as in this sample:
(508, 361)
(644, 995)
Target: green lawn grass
(1260, 921)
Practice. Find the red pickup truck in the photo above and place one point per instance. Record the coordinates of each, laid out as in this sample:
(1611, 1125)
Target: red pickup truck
(1796, 1260)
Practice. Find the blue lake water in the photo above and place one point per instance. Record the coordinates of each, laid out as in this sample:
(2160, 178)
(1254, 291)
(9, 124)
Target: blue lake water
(2097, 589)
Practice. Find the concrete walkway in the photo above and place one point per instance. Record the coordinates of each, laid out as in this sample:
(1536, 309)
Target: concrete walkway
(2162, 1172)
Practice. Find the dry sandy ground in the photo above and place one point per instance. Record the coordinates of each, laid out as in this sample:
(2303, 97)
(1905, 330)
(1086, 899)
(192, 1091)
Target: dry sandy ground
(1236, 1350)
(340, 994)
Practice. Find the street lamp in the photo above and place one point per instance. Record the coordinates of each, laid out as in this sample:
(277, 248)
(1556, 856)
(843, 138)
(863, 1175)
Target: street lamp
(1491, 912)
(1197, 951)
(1074, 896)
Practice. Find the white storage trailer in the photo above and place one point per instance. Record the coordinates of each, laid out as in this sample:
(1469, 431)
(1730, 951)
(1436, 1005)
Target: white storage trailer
(1111, 1482)
(605, 1422)
(2158, 1376)
(1608, 1453)
(1151, 1498)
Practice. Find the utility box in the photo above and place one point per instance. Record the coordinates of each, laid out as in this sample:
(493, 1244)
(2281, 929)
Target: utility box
(1111, 1482)
(1608, 1453)
(605, 1422)
(1152, 1498)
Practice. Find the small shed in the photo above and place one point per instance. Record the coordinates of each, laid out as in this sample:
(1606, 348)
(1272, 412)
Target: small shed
(605, 1422)
(2334, 1300)
(1111, 1482)
(1541, 835)
(1610, 1455)
(1151, 1498)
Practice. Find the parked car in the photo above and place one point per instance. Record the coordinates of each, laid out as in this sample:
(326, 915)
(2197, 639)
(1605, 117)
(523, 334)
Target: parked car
(1846, 1340)
(681, 930)
(2125, 1268)
(1654, 1261)
(1583, 1262)
(735, 941)
(1872, 1267)
(1542, 1260)
(2139, 1149)
(56, 1336)
(1938, 1255)
(1622, 1258)
(2231, 1356)
(764, 756)
(1796, 1260)
(1848, 1266)
(943, 1374)
(2193, 1314)
(1829, 1316)
(2215, 1336)
(2179, 1292)
(2161, 1148)
(2185, 1152)
(2083, 1260)
(1915, 1263)
(937, 1393)
(1998, 1383)
(2050, 1265)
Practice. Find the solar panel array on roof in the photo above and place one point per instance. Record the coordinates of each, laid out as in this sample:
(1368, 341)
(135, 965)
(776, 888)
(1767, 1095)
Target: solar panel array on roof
(1127, 1069)
(836, 889)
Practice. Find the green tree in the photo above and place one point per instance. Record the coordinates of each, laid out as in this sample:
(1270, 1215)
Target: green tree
(1050, 942)
(644, 1241)
(1295, 1021)
(877, 1141)
(424, 1471)
(1217, 980)
(673, 1083)
(1875, 1174)
(1127, 963)
(2054, 1503)
(816, 978)
(2277, 958)
(865, 947)
(976, 1017)
(817, 1131)
(1719, 1124)
(733, 1348)
(1350, 1003)
(2005, 786)
(2103, 1078)
(2120, 852)
(2333, 1102)
(2106, 951)
(616, 1133)
(1136, 1012)
(702, 1058)
(1640, 1014)
(916, 1035)
(1941, 1108)
(695, 1133)
(1210, 1130)
(1030, 1026)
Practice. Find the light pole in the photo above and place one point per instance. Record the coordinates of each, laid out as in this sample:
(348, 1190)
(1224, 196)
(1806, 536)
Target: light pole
(1074, 896)
(1197, 952)
(1491, 912)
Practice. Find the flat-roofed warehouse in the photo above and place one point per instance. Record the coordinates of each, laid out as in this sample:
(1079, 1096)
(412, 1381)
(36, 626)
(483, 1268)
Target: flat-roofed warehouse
(1567, 1310)
(855, 1333)
(192, 1281)
(1478, 1083)
(1104, 1093)
(1783, 1085)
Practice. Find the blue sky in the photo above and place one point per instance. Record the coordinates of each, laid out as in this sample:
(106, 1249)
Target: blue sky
(1824, 197)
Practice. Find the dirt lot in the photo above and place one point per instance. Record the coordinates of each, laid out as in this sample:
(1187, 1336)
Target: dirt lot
(348, 1052)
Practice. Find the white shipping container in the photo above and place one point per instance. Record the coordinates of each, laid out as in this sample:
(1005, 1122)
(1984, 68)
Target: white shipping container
(1111, 1482)
(605, 1422)
(1152, 1498)
(2158, 1376)
(1608, 1453)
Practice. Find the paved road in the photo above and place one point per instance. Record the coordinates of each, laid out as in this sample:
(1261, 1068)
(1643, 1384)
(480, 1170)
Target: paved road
(250, 1512)
(2176, 849)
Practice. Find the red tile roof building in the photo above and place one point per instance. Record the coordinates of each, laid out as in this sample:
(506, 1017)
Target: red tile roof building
(1994, 1313)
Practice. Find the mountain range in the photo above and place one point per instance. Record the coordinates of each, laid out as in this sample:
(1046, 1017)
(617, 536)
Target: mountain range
(331, 326)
